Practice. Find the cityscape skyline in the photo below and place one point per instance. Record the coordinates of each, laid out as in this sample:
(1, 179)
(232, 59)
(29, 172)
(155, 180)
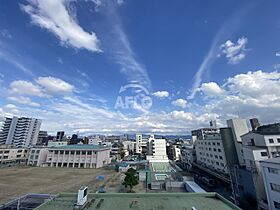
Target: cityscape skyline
(113, 67)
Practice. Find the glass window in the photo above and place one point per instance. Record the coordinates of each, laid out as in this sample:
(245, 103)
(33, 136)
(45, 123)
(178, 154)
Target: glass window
(274, 170)
(275, 187)
(263, 154)
(276, 205)
(278, 140)
(271, 141)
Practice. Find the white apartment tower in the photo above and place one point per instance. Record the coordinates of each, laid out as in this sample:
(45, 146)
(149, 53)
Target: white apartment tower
(20, 131)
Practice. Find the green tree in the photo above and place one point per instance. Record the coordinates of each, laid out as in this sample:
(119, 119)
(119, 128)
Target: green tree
(130, 179)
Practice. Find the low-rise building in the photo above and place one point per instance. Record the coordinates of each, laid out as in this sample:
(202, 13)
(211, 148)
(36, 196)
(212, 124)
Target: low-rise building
(79, 156)
(37, 156)
(271, 179)
(10, 155)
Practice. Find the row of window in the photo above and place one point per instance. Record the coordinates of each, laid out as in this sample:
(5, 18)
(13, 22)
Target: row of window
(8, 151)
(212, 161)
(73, 152)
(274, 170)
(271, 141)
(211, 155)
(209, 143)
(210, 149)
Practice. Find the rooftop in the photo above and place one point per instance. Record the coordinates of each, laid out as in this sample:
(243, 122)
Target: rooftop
(126, 201)
(272, 160)
(81, 146)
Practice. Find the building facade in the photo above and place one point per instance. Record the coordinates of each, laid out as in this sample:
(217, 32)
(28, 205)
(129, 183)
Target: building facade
(261, 144)
(79, 156)
(37, 156)
(188, 156)
(20, 131)
(209, 149)
(271, 179)
(10, 155)
(239, 127)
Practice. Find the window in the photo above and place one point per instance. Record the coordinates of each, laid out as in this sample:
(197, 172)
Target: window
(61, 152)
(78, 152)
(220, 157)
(278, 140)
(217, 163)
(275, 187)
(83, 152)
(210, 149)
(263, 154)
(216, 156)
(214, 143)
(271, 141)
(56, 152)
(19, 151)
(66, 152)
(214, 149)
(72, 152)
(274, 170)
(252, 142)
(18, 156)
(7, 151)
(89, 152)
(276, 205)
(219, 150)
(218, 143)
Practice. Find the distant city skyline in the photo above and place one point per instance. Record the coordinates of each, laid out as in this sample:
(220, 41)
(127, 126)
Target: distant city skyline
(114, 67)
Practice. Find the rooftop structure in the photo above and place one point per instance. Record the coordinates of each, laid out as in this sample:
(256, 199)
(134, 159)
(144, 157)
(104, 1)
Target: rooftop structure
(205, 201)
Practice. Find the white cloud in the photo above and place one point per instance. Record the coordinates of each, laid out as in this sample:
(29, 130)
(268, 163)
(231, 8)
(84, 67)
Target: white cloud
(251, 94)
(53, 16)
(228, 28)
(55, 86)
(23, 100)
(180, 102)
(235, 52)
(161, 94)
(211, 89)
(277, 54)
(23, 87)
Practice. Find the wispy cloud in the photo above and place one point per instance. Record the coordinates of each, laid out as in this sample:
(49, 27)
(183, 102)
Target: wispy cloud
(118, 46)
(53, 16)
(6, 56)
(228, 28)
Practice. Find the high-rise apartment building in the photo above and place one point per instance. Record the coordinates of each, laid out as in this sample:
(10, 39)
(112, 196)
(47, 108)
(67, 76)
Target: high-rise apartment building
(20, 131)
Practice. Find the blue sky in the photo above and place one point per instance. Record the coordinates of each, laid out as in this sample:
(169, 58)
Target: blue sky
(90, 66)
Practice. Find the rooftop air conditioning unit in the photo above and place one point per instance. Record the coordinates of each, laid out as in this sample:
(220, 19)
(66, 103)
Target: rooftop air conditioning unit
(82, 196)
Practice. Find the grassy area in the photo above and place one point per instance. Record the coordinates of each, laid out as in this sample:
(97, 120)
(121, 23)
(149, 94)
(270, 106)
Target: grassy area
(15, 182)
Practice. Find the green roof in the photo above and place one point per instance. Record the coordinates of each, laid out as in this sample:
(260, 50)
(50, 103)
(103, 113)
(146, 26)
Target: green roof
(126, 201)
(81, 146)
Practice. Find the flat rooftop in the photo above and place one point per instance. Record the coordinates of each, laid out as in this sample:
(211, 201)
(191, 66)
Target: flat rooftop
(80, 147)
(145, 201)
